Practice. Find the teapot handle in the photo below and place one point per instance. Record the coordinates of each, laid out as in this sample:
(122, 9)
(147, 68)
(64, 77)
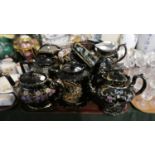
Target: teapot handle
(26, 68)
(12, 82)
(125, 52)
(143, 85)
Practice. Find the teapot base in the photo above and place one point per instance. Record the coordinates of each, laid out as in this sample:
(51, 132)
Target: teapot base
(114, 112)
(47, 107)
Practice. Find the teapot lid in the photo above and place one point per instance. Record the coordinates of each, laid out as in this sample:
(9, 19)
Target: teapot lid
(73, 68)
(49, 48)
(107, 46)
(118, 78)
(31, 79)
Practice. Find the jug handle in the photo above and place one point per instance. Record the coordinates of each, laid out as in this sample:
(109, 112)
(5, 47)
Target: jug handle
(143, 85)
(125, 52)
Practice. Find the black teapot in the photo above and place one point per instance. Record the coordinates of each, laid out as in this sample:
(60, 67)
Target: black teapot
(108, 49)
(115, 92)
(108, 75)
(73, 77)
(103, 67)
(46, 58)
(36, 91)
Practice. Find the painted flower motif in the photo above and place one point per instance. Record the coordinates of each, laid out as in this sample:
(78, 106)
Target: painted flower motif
(28, 99)
(109, 99)
(46, 96)
(23, 98)
(47, 90)
(52, 91)
(38, 93)
(25, 93)
(42, 97)
(37, 99)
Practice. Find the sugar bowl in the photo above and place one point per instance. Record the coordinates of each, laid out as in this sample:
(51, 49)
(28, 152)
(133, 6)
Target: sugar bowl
(110, 50)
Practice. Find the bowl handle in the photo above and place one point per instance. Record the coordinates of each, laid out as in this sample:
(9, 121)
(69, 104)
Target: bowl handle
(125, 52)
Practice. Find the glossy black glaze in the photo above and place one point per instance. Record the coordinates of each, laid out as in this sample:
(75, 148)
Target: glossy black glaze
(112, 54)
(113, 95)
(47, 59)
(73, 78)
(36, 90)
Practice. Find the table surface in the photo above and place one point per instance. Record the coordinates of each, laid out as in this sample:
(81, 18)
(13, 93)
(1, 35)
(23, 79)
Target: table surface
(18, 114)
